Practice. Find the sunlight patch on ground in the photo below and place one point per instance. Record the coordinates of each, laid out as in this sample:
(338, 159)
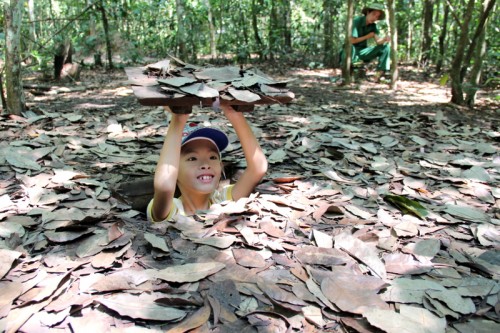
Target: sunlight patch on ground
(323, 73)
(94, 106)
(421, 93)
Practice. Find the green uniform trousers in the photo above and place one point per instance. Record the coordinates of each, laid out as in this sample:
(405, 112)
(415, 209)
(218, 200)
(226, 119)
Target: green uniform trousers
(367, 54)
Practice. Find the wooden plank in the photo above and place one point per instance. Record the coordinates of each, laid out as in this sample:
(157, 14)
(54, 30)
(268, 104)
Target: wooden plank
(148, 93)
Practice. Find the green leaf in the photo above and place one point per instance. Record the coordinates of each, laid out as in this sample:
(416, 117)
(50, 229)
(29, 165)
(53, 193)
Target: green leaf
(407, 206)
(444, 79)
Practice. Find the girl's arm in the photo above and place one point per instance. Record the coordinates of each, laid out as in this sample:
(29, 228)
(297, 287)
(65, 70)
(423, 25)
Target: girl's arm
(167, 168)
(255, 158)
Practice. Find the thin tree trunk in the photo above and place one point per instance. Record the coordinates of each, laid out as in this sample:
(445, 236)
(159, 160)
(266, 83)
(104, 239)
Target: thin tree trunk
(273, 30)
(181, 30)
(211, 28)
(477, 68)
(487, 8)
(32, 18)
(106, 34)
(2, 93)
(287, 25)
(255, 28)
(13, 11)
(328, 30)
(409, 37)
(346, 66)
(457, 96)
(394, 43)
(427, 31)
(442, 38)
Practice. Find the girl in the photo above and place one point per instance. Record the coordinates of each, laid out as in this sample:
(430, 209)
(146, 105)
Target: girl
(191, 160)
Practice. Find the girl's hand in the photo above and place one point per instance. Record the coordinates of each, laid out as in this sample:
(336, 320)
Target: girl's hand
(229, 110)
(177, 116)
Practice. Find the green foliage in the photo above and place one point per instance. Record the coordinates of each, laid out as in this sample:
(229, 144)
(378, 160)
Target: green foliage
(284, 29)
(407, 206)
(41, 60)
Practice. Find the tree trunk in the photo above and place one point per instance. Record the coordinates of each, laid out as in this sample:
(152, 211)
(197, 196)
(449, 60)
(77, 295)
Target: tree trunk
(32, 26)
(427, 31)
(480, 52)
(105, 25)
(488, 6)
(181, 30)
(273, 30)
(13, 11)
(211, 28)
(2, 94)
(329, 53)
(442, 38)
(409, 37)
(287, 25)
(255, 28)
(394, 42)
(346, 66)
(62, 56)
(457, 96)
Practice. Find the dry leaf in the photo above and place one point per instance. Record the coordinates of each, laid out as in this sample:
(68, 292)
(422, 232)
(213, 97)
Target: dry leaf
(362, 251)
(141, 307)
(186, 273)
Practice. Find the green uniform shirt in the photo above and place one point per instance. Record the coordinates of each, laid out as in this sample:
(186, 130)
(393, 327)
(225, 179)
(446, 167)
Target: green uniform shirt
(360, 29)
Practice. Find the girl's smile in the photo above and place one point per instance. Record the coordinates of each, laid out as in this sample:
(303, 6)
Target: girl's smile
(200, 167)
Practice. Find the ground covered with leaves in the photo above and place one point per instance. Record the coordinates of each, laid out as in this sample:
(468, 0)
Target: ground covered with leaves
(379, 213)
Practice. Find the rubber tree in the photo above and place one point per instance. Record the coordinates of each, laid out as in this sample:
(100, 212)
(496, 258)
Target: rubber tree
(13, 11)
(330, 11)
(391, 5)
(105, 24)
(181, 29)
(346, 65)
(479, 53)
(457, 96)
(428, 11)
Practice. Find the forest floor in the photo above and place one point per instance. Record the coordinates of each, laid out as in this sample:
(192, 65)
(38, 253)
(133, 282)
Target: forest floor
(379, 213)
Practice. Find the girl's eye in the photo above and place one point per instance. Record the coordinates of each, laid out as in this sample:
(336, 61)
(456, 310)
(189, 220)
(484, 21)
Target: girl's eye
(214, 157)
(191, 159)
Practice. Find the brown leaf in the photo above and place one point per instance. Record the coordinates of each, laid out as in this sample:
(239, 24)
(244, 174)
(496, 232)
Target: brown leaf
(248, 258)
(9, 291)
(91, 245)
(350, 294)
(186, 273)
(156, 242)
(141, 307)
(197, 319)
(222, 242)
(7, 258)
(404, 264)
(362, 251)
(66, 236)
(321, 256)
(326, 207)
(284, 298)
(269, 228)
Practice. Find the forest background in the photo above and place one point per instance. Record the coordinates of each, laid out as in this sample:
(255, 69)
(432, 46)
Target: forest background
(456, 39)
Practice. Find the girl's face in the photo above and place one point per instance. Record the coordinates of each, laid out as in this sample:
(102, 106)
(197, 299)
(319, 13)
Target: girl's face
(200, 167)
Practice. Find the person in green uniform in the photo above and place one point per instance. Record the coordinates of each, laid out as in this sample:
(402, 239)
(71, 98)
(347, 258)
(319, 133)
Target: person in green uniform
(364, 28)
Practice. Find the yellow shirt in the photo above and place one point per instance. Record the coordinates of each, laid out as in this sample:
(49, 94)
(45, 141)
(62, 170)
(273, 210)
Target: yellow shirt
(178, 208)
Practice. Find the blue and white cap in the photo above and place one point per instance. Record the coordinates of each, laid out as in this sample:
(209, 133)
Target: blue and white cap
(193, 131)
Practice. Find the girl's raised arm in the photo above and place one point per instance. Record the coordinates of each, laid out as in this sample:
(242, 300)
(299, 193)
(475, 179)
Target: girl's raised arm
(167, 168)
(255, 157)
